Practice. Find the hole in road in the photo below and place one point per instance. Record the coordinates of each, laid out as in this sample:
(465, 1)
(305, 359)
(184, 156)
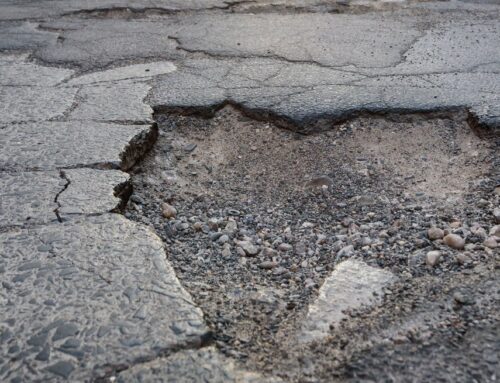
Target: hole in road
(264, 213)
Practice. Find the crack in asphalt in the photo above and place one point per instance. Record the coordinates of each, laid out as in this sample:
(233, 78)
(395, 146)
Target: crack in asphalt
(56, 198)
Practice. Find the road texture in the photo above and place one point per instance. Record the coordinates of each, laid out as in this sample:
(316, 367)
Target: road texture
(249, 191)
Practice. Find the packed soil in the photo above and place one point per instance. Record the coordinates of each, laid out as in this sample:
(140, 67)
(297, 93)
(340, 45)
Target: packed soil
(369, 189)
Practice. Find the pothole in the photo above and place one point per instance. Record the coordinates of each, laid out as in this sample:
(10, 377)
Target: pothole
(265, 214)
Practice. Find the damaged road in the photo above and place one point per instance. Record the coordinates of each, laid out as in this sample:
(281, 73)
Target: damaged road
(249, 191)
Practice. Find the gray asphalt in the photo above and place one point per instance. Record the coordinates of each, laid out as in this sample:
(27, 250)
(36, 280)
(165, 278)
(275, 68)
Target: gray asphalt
(87, 294)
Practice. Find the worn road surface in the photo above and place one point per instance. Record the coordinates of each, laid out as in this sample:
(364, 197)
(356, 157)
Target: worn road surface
(249, 191)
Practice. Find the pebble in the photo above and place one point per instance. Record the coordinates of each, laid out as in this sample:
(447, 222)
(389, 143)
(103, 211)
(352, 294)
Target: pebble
(249, 248)
(240, 251)
(190, 147)
(213, 224)
(226, 250)
(478, 231)
(319, 182)
(454, 241)
(168, 211)
(463, 298)
(285, 247)
(321, 239)
(496, 214)
(345, 251)
(267, 265)
(62, 368)
(495, 231)
(135, 198)
(490, 242)
(215, 236)
(435, 233)
(433, 257)
(223, 239)
(461, 258)
(181, 226)
(268, 252)
(231, 227)
(455, 224)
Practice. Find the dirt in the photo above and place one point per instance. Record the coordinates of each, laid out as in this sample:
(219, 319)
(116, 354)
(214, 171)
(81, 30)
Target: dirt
(373, 183)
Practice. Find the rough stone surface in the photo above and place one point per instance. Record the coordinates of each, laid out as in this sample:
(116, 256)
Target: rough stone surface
(50, 145)
(144, 71)
(312, 97)
(32, 103)
(90, 191)
(15, 70)
(350, 286)
(120, 101)
(80, 299)
(94, 296)
(27, 198)
(28, 92)
(205, 365)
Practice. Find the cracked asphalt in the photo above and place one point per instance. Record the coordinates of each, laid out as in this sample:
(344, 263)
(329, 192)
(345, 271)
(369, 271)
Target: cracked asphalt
(88, 294)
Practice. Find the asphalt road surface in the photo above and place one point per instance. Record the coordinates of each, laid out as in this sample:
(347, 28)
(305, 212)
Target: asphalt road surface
(249, 191)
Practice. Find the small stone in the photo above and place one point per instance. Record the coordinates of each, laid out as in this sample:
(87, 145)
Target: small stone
(495, 231)
(226, 250)
(463, 298)
(461, 258)
(213, 224)
(455, 224)
(215, 236)
(319, 182)
(44, 355)
(432, 258)
(435, 233)
(267, 265)
(496, 214)
(478, 231)
(168, 211)
(268, 252)
(366, 241)
(490, 242)
(231, 227)
(65, 330)
(470, 247)
(62, 368)
(181, 226)
(321, 239)
(190, 147)
(249, 248)
(223, 239)
(138, 200)
(345, 251)
(454, 241)
(285, 247)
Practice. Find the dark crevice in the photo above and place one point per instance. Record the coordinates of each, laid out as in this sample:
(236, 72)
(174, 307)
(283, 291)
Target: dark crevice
(320, 123)
(138, 147)
(56, 199)
(112, 370)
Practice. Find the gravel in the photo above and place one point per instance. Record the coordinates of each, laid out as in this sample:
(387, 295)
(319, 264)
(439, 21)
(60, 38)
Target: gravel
(274, 221)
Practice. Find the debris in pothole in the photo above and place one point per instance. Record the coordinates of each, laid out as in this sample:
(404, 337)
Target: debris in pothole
(262, 210)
